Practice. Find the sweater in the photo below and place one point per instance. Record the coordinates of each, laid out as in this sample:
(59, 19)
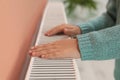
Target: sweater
(100, 39)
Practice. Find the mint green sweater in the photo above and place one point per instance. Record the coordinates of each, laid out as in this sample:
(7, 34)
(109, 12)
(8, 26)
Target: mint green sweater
(100, 39)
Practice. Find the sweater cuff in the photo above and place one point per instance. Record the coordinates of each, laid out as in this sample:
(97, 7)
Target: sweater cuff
(85, 47)
(85, 27)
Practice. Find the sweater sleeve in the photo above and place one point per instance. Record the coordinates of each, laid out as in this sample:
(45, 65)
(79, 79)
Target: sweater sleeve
(100, 45)
(107, 19)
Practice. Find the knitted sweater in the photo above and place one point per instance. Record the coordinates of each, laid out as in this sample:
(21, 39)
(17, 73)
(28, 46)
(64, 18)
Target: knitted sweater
(100, 39)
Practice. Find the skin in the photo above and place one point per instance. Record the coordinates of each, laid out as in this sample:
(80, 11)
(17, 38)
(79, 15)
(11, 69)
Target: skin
(66, 48)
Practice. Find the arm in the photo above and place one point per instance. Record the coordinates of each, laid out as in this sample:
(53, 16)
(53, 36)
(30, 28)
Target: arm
(97, 45)
(107, 19)
(100, 45)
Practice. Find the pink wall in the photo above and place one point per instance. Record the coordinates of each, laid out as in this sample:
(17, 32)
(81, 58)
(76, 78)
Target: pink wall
(18, 20)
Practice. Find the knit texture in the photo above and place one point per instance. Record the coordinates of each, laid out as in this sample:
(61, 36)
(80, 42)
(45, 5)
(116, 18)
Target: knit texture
(100, 39)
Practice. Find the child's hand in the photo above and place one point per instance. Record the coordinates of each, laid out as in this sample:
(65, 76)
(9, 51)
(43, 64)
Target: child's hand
(64, 28)
(67, 48)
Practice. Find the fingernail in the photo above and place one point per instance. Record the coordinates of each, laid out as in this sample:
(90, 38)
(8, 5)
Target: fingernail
(66, 29)
(42, 56)
(32, 47)
(30, 51)
(48, 34)
(33, 54)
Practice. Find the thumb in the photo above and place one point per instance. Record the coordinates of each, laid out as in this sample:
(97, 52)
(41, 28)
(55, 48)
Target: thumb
(69, 31)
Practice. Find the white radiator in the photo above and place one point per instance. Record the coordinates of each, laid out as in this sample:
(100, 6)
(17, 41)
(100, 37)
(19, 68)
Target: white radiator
(41, 69)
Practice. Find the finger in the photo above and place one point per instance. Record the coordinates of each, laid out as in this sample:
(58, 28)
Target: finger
(34, 47)
(47, 51)
(50, 56)
(41, 46)
(54, 31)
(37, 54)
(50, 48)
(54, 55)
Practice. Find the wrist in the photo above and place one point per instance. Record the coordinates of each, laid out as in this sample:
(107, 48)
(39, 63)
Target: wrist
(79, 30)
(77, 46)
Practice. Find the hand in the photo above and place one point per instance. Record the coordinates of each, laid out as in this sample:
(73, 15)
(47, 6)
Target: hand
(64, 28)
(67, 48)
